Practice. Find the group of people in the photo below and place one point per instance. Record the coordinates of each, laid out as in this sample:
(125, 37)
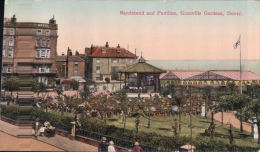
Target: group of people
(109, 147)
(39, 129)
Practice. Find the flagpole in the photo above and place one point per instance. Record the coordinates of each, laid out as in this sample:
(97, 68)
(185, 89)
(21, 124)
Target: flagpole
(240, 68)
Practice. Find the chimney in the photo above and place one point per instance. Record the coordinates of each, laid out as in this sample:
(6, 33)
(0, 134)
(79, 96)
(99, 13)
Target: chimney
(13, 19)
(118, 46)
(52, 20)
(70, 53)
(62, 54)
(107, 45)
(77, 53)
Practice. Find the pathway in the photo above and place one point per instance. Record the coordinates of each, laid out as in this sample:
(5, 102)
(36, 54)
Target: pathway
(229, 117)
(57, 141)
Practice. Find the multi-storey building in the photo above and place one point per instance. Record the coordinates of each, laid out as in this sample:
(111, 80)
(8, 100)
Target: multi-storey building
(104, 62)
(70, 65)
(30, 49)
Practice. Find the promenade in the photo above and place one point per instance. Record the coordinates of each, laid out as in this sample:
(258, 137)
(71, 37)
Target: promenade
(9, 137)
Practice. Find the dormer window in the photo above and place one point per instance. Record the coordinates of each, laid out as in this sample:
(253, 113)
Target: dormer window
(97, 60)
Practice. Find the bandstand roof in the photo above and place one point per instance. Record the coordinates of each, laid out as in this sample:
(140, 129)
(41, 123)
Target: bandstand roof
(142, 67)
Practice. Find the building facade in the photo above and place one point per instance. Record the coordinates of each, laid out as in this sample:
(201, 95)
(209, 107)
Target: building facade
(209, 78)
(30, 49)
(104, 62)
(70, 65)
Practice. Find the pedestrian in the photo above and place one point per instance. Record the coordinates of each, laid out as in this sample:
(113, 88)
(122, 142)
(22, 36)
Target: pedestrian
(137, 148)
(36, 126)
(111, 147)
(103, 145)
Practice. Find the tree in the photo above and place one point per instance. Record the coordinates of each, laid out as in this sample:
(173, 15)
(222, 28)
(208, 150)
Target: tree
(223, 105)
(86, 92)
(238, 105)
(179, 100)
(107, 81)
(75, 85)
(11, 84)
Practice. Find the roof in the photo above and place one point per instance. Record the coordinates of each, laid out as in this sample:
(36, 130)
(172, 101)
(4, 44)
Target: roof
(71, 58)
(235, 74)
(142, 67)
(111, 52)
(210, 75)
(180, 75)
(61, 58)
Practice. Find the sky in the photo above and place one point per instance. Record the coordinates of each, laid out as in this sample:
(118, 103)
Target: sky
(159, 37)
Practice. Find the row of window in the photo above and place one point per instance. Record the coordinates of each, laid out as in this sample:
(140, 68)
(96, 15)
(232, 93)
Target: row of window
(11, 31)
(43, 43)
(40, 69)
(10, 42)
(116, 60)
(43, 53)
(40, 32)
(40, 53)
(10, 52)
(114, 69)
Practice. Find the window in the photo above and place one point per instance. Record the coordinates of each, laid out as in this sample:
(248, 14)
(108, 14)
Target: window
(115, 60)
(12, 31)
(9, 69)
(43, 69)
(3, 52)
(43, 53)
(39, 32)
(44, 43)
(97, 60)
(123, 60)
(98, 69)
(48, 53)
(48, 32)
(11, 42)
(48, 43)
(38, 43)
(38, 52)
(10, 53)
(131, 61)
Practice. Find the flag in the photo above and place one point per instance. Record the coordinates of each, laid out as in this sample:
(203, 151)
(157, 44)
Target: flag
(237, 43)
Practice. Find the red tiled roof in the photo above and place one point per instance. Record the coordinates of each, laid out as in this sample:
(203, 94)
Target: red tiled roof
(111, 52)
(235, 74)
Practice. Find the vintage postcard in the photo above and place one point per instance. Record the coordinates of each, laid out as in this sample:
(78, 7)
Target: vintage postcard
(130, 75)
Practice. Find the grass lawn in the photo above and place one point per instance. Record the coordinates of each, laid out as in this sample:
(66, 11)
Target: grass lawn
(163, 126)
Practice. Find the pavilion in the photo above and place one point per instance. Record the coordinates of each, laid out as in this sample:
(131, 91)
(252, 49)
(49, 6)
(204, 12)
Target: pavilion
(142, 77)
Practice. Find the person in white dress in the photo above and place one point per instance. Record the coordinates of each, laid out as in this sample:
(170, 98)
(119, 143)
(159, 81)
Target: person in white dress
(111, 147)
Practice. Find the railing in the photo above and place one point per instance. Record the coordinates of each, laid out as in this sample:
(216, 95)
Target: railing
(117, 141)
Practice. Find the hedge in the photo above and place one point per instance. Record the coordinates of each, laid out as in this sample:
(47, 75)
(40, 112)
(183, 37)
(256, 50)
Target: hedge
(201, 142)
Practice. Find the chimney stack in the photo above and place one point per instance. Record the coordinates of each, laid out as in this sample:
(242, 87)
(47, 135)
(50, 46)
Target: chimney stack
(77, 53)
(107, 45)
(118, 46)
(62, 54)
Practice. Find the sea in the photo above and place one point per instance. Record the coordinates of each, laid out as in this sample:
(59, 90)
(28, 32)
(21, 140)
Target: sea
(247, 65)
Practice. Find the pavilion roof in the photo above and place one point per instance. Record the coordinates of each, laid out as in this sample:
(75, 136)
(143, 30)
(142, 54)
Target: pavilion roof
(179, 75)
(142, 67)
